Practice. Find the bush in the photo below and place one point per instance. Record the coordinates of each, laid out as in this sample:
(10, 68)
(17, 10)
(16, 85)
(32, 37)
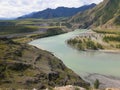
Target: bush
(118, 46)
(2, 67)
(2, 71)
(96, 84)
(84, 44)
(18, 67)
(91, 45)
(81, 47)
(16, 29)
(77, 88)
(117, 20)
(111, 38)
(54, 31)
(99, 46)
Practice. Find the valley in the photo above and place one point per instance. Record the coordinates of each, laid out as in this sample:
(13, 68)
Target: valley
(98, 64)
(39, 50)
(23, 65)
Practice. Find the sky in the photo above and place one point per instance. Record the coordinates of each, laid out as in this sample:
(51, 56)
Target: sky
(16, 8)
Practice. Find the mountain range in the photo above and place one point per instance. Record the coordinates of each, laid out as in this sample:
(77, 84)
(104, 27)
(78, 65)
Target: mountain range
(58, 12)
(104, 15)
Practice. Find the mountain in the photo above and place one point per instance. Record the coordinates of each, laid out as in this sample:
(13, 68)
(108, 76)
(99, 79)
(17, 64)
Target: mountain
(58, 12)
(104, 15)
(7, 18)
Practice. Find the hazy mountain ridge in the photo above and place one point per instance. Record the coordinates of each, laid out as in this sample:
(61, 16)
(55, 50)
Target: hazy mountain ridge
(104, 15)
(58, 12)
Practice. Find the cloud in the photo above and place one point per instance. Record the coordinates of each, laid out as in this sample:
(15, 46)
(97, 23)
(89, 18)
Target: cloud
(15, 8)
(92, 1)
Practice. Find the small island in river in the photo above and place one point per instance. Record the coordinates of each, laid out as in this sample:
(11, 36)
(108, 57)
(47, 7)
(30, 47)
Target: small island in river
(102, 40)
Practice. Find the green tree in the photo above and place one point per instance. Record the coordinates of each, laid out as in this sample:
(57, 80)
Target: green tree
(96, 84)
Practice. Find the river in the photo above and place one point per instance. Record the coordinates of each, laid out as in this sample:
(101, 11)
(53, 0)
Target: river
(81, 62)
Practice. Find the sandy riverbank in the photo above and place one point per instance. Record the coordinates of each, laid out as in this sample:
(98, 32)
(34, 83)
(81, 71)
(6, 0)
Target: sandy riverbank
(105, 81)
(110, 51)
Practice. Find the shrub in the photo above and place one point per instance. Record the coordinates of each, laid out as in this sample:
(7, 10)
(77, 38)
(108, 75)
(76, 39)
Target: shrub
(91, 45)
(99, 46)
(118, 46)
(111, 38)
(117, 20)
(18, 67)
(96, 84)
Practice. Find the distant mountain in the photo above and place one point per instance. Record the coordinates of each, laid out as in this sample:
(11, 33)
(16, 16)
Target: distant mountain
(58, 12)
(104, 15)
(7, 18)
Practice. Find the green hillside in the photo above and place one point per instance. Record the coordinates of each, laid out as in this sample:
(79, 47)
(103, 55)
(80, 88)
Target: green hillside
(31, 25)
(27, 67)
(104, 15)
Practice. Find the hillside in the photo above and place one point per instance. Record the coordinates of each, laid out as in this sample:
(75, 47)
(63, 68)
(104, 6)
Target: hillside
(104, 15)
(58, 12)
(32, 26)
(27, 67)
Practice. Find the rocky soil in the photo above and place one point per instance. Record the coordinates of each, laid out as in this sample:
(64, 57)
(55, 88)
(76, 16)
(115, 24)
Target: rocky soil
(105, 81)
(27, 67)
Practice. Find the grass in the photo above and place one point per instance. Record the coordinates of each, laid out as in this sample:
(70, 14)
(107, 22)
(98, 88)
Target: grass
(109, 40)
(115, 38)
(22, 65)
(117, 20)
(49, 32)
(27, 66)
(110, 36)
(82, 43)
(108, 31)
(30, 25)
(16, 29)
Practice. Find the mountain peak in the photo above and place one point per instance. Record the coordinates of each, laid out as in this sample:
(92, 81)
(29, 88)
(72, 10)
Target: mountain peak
(103, 15)
(58, 12)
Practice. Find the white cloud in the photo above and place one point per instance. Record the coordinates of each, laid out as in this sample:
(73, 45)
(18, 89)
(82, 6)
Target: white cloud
(14, 8)
(92, 1)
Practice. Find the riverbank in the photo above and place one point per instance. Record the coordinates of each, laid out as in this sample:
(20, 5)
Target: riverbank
(104, 51)
(41, 69)
(27, 67)
(79, 61)
(105, 81)
(69, 87)
(92, 41)
(111, 51)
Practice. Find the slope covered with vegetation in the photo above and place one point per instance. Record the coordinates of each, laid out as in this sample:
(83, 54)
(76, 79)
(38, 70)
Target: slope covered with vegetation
(27, 26)
(27, 67)
(103, 40)
(104, 15)
(83, 43)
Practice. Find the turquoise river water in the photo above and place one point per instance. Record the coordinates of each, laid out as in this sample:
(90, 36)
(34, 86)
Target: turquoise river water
(80, 61)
